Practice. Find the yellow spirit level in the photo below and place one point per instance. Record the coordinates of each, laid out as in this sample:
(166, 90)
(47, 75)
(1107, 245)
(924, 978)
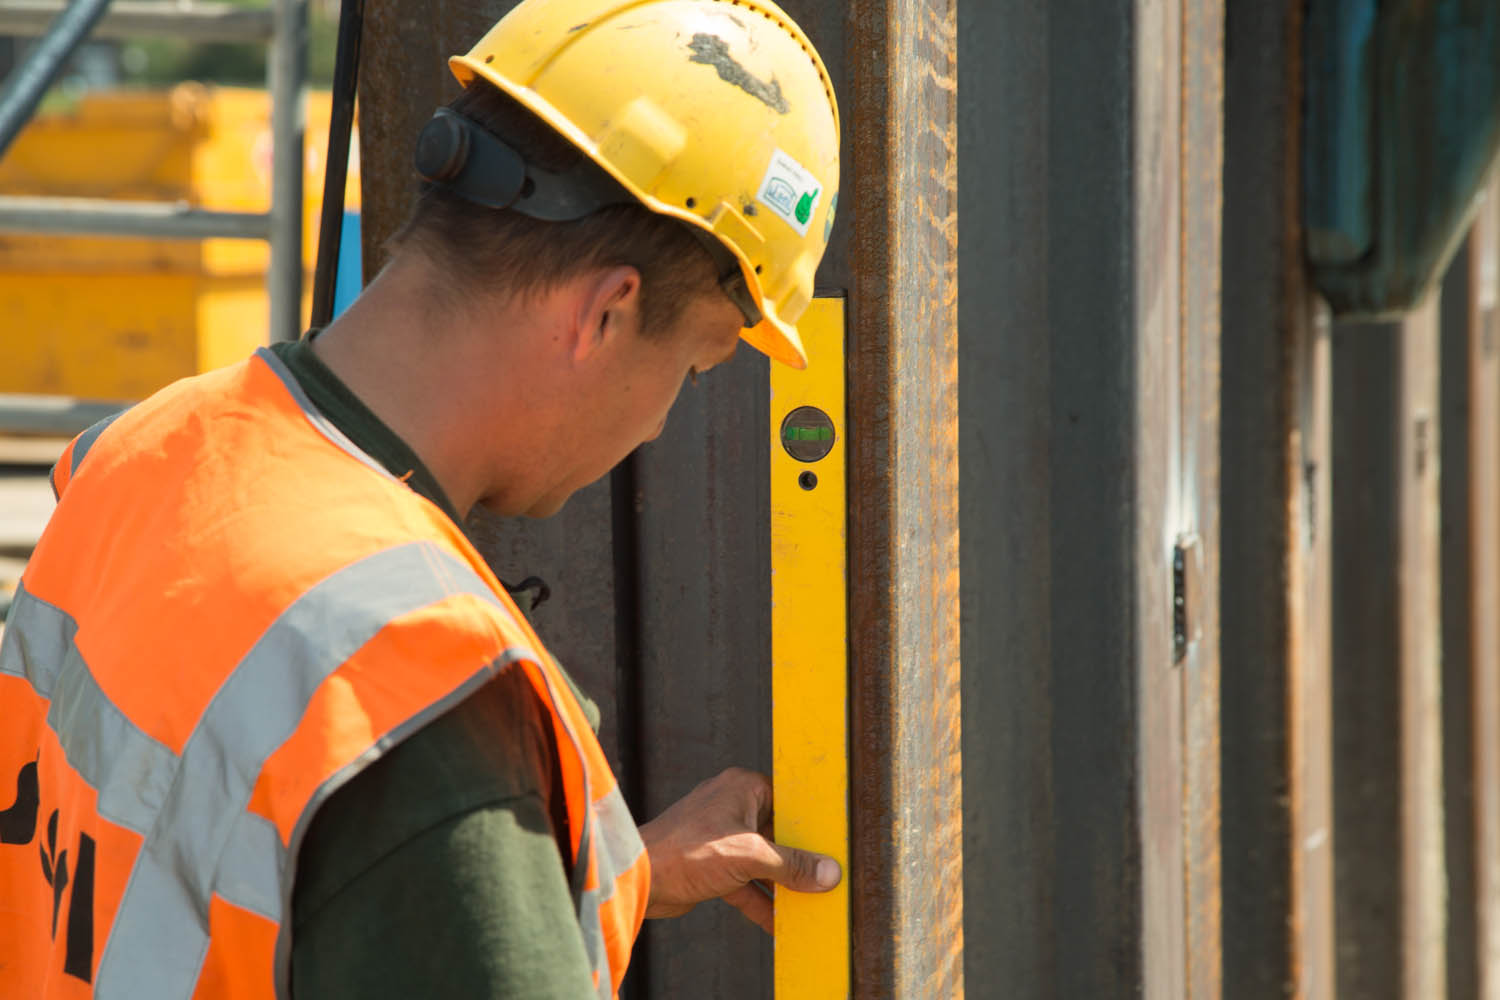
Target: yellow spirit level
(809, 643)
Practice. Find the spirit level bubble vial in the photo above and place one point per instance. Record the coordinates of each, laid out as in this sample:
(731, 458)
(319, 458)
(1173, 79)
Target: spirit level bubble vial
(809, 651)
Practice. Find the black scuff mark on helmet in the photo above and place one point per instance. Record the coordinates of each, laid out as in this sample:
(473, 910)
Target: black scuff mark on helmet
(711, 50)
(577, 28)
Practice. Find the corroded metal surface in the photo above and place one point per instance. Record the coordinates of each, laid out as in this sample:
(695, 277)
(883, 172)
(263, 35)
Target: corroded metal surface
(1090, 435)
(1164, 505)
(1005, 424)
(1471, 588)
(703, 584)
(1423, 876)
(1484, 362)
(403, 77)
(903, 484)
(1307, 925)
(1202, 172)
(1484, 359)
(1277, 824)
(1388, 857)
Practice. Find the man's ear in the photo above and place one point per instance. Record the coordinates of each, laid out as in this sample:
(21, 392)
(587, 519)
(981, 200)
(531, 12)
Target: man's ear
(609, 307)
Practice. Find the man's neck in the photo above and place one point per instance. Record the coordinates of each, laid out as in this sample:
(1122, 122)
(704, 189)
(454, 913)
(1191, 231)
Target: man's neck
(408, 357)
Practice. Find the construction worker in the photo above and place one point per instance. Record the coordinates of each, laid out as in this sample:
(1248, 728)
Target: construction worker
(275, 727)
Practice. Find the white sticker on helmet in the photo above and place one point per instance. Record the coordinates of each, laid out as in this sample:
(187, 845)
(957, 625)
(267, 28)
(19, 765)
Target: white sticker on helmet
(791, 191)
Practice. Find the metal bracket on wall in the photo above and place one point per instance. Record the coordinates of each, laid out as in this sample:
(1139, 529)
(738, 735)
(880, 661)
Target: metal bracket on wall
(1187, 595)
(809, 651)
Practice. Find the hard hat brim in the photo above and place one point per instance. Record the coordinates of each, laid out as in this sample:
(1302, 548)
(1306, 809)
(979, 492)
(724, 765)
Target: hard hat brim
(773, 336)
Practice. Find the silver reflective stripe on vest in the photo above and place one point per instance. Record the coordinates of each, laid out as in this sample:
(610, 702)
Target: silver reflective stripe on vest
(160, 932)
(200, 838)
(283, 962)
(593, 942)
(192, 810)
(588, 911)
(619, 842)
(130, 771)
(617, 846)
(618, 839)
(250, 870)
(86, 440)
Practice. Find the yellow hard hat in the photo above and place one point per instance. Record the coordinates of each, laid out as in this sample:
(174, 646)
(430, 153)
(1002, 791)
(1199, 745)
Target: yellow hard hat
(715, 112)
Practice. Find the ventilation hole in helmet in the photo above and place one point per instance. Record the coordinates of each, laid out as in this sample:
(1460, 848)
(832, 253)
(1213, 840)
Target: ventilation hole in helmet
(489, 58)
(757, 268)
(692, 202)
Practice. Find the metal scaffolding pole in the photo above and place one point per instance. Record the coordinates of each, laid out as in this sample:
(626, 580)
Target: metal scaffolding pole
(32, 79)
(107, 217)
(288, 86)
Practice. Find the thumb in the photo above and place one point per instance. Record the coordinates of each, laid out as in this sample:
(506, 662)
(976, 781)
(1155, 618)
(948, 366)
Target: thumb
(802, 871)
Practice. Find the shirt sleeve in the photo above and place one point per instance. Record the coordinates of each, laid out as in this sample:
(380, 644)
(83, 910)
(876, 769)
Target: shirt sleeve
(436, 871)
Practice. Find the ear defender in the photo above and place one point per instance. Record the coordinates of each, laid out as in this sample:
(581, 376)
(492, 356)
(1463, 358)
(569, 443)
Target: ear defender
(477, 166)
(442, 148)
(482, 168)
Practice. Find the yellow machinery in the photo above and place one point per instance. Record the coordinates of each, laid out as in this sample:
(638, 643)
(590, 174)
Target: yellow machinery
(118, 317)
(809, 651)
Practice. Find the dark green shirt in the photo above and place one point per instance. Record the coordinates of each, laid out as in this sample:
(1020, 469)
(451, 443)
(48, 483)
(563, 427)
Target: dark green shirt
(439, 870)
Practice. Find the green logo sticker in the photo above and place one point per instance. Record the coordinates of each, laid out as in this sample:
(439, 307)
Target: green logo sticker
(790, 191)
(805, 206)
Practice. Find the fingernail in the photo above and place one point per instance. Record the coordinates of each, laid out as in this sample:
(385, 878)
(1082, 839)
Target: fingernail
(828, 873)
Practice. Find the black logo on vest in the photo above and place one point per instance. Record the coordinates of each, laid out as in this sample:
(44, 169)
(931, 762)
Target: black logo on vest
(18, 823)
(18, 826)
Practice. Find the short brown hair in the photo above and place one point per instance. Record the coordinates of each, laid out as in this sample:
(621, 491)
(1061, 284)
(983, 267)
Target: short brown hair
(497, 250)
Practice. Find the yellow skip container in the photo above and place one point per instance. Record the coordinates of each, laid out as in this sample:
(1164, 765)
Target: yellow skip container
(119, 317)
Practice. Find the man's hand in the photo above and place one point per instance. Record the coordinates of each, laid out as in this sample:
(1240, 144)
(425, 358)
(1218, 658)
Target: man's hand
(715, 839)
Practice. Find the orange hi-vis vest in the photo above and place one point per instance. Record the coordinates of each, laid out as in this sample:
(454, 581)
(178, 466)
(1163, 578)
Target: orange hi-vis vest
(232, 612)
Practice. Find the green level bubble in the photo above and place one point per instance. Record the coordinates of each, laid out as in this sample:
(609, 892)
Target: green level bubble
(808, 434)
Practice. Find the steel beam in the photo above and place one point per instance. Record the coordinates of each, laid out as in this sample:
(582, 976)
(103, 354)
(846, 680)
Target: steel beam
(1387, 754)
(1091, 147)
(1005, 450)
(1275, 576)
(1201, 142)
(287, 72)
(105, 217)
(901, 135)
(1471, 594)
